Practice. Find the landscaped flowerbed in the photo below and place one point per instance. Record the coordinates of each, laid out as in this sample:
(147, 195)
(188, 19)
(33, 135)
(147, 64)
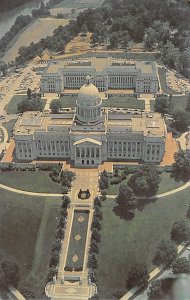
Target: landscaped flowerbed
(76, 251)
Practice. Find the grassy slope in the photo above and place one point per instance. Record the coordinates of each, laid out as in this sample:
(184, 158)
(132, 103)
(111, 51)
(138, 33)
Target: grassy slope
(22, 235)
(34, 181)
(124, 242)
(167, 184)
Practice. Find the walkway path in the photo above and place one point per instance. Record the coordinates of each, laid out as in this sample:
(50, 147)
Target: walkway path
(179, 189)
(62, 288)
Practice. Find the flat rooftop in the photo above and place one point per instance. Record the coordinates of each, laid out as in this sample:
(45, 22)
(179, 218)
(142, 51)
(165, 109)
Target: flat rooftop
(33, 121)
(100, 64)
(150, 124)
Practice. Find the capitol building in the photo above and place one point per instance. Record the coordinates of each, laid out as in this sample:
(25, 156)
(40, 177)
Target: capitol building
(106, 72)
(90, 135)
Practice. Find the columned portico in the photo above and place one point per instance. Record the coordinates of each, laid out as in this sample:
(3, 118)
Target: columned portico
(88, 152)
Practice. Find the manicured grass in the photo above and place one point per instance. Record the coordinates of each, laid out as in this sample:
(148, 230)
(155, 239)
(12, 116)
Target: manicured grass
(77, 247)
(167, 184)
(12, 106)
(33, 181)
(9, 126)
(13, 103)
(179, 102)
(68, 101)
(74, 4)
(27, 228)
(126, 242)
(123, 102)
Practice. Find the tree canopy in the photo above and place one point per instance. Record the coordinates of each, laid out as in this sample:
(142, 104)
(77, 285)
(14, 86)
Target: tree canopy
(126, 198)
(145, 181)
(55, 106)
(181, 265)
(166, 253)
(155, 290)
(138, 275)
(181, 166)
(180, 231)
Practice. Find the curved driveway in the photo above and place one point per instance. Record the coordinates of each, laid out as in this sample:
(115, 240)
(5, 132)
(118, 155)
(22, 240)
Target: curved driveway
(8, 188)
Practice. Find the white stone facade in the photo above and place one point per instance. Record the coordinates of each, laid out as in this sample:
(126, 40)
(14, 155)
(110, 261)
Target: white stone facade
(106, 74)
(89, 136)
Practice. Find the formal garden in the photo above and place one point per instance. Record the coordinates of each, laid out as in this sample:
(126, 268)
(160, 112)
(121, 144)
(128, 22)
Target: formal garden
(77, 242)
(27, 230)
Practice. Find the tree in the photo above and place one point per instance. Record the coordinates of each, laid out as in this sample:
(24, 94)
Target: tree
(95, 224)
(145, 181)
(181, 166)
(161, 104)
(95, 236)
(188, 104)
(103, 181)
(92, 261)
(84, 28)
(181, 265)
(27, 293)
(97, 213)
(126, 198)
(180, 231)
(97, 202)
(165, 254)
(94, 247)
(3, 68)
(55, 106)
(181, 120)
(155, 290)
(10, 274)
(29, 93)
(138, 275)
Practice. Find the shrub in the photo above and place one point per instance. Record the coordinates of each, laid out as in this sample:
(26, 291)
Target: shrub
(116, 180)
(65, 190)
(104, 192)
(79, 269)
(69, 269)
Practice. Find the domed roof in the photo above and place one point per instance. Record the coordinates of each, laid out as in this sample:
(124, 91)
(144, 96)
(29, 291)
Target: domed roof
(88, 91)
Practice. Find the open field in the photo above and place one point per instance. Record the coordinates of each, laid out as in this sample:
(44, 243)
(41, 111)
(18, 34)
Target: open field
(33, 33)
(125, 242)
(75, 254)
(123, 102)
(167, 184)
(32, 181)
(27, 229)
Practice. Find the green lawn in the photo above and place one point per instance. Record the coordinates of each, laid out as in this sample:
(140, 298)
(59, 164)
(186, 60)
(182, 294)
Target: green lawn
(13, 103)
(125, 242)
(77, 247)
(33, 181)
(179, 103)
(67, 101)
(167, 184)
(74, 4)
(27, 228)
(9, 126)
(123, 102)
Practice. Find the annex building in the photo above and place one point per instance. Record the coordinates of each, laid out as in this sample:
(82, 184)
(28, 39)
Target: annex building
(106, 73)
(90, 135)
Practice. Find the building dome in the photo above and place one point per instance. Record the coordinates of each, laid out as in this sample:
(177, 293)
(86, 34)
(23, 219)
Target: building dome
(89, 103)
